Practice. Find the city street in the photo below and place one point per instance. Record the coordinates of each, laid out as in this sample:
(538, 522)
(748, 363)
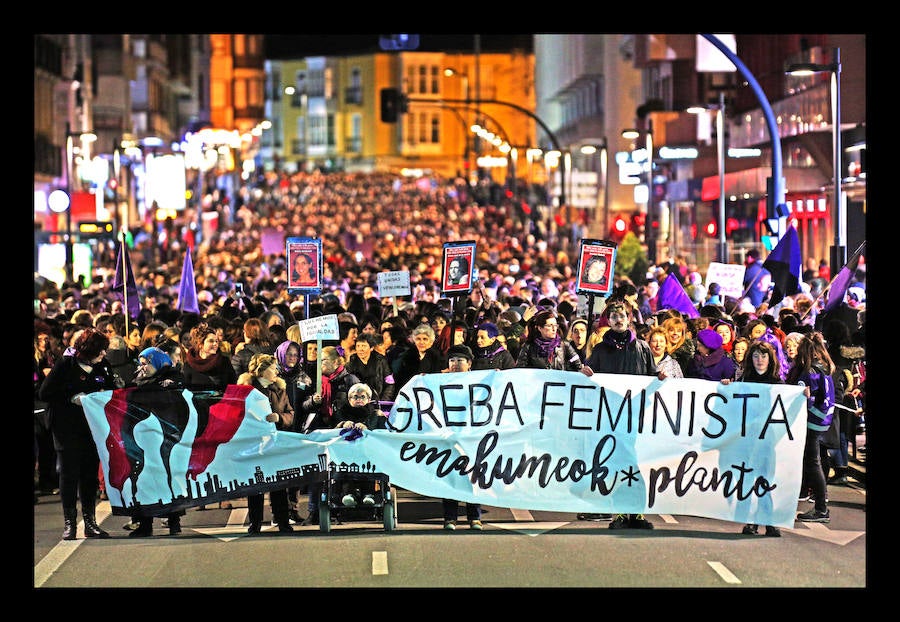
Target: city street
(518, 548)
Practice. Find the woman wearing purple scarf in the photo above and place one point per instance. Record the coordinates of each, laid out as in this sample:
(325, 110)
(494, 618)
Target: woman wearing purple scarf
(543, 348)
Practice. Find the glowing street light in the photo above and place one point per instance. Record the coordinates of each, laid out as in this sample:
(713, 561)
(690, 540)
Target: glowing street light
(839, 250)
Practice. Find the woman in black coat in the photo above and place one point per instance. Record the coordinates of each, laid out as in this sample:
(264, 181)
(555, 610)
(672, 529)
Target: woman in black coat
(86, 370)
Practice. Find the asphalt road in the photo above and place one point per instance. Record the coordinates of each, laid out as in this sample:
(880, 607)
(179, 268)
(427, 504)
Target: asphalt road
(518, 548)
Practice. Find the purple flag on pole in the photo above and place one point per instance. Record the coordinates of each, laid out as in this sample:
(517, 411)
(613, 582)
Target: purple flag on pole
(840, 284)
(672, 296)
(124, 282)
(187, 289)
(786, 266)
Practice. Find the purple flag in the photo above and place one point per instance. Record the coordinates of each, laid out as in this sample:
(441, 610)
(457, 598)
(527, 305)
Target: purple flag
(672, 296)
(187, 289)
(786, 266)
(124, 282)
(840, 284)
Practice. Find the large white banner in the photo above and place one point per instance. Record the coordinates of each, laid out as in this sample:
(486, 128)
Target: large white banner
(520, 438)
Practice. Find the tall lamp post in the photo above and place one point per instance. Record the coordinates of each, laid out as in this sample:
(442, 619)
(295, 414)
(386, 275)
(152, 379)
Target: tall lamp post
(465, 80)
(839, 250)
(649, 234)
(722, 251)
(59, 205)
(603, 147)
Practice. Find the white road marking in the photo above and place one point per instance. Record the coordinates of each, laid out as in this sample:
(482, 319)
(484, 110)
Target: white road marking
(668, 519)
(720, 569)
(379, 562)
(533, 529)
(61, 552)
(521, 515)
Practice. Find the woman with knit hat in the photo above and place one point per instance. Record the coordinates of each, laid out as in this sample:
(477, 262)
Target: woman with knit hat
(155, 372)
(710, 362)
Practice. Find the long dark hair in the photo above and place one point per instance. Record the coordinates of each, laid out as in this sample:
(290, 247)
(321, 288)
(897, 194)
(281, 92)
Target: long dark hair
(537, 320)
(810, 351)
(773, 371)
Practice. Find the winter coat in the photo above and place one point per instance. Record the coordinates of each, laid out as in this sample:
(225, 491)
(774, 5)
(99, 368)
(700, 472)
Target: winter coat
(340, 386)
(565, 357)
(716, 365)
(495, 356)
(634, 357)
(67, 420)
(212, 374)
(278, 399)
(433, 362)
(820, 403)
(369, 415)
(241, 360)
(374, 373)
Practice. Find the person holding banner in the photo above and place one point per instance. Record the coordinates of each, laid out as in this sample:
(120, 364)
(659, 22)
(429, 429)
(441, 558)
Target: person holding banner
(621, 352)
(460, 360)
(85, 370)
(760, 364)
(262, 375)
(543, 348)
(156, 372)
(813, 368)
(323, 410)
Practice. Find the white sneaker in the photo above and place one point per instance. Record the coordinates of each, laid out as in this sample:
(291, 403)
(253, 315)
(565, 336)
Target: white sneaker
(349, 501)
(368, 500)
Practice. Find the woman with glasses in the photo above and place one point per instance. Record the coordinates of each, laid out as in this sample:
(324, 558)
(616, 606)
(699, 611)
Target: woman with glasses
(544, 348)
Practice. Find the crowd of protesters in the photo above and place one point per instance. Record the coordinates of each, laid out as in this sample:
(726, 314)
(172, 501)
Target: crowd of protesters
(522, 310)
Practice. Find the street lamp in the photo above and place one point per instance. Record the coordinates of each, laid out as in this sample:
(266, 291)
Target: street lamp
(839, 250)
(84, 138)
(604, 175)
(649, 234)
(722, 253)
(449, 72)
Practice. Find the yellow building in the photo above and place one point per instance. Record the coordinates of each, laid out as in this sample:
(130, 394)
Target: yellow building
(326, 113)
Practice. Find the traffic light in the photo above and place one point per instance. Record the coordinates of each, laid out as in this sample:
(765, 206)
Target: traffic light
(390, 105)
(618, 229)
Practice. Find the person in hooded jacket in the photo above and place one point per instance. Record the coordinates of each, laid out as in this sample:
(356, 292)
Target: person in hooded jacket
(262, 375)
(84, 370)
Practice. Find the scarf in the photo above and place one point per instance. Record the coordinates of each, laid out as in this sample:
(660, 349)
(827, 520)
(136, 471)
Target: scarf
(202, 365)
(492, 350)
(618, 340)
(547, 347)
(326, 389)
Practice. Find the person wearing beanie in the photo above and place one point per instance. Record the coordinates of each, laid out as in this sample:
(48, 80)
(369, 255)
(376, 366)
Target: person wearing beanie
(155, 372)
(710, 361)
(459, 359)
(621, 352)
(578, 337)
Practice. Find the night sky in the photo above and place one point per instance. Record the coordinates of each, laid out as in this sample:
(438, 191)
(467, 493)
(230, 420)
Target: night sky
(299, 45)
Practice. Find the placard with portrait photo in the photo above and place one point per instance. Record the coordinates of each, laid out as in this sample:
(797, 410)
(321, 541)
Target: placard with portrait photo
(458, 265)
(304, 265)
(596, 265)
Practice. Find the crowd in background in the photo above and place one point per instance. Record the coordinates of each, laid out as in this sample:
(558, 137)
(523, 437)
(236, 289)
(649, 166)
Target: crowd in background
(523, 310)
